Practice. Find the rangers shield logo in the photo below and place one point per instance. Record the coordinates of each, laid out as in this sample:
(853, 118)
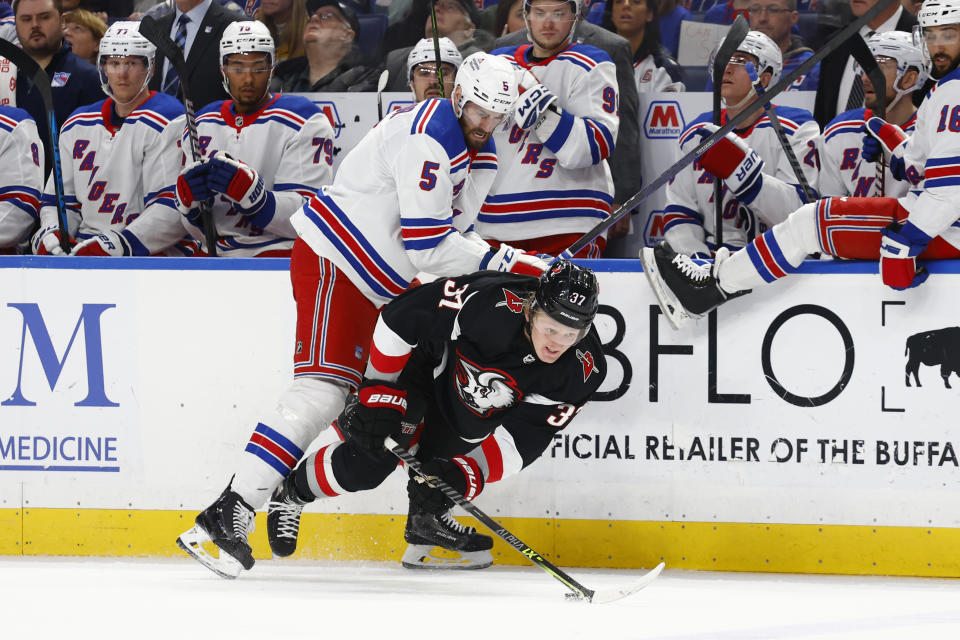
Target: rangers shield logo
(484, 391)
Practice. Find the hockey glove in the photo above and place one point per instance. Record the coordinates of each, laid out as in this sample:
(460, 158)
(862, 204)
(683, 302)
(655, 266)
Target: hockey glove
(526, 80)
(511, 260)
(461, 473)
(237, 181)
(888, 141)
(107, 243)
(192, 186)
(734, 162)
(533, 105)
(379, 411)
(899, 248)
(46, 242)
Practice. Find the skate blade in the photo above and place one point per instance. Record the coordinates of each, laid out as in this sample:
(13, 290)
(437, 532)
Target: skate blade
(674, 312)
(192, 543)
(423, 556)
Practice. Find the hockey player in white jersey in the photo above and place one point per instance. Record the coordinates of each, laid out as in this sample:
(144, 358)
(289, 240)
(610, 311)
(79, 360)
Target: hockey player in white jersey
(21, 155)
(117, 155)
(399, 205)
(422, 68)
(760, 188)
(264, 154)
(843, 170)
(922, 224)
(554, 183)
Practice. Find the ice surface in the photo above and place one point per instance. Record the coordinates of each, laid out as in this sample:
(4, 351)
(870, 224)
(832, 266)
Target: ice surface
(74, 598)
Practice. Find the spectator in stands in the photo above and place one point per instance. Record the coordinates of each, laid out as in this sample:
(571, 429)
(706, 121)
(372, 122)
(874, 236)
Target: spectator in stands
(840, 89)
(672, 13)
(422, 68)
(456, 19)
(636, 20)
(83, 30)
(776, 19)
(331, 60)
(727, 12)
(286, 20)
(509, 17)
(911, 6)
(74, 81)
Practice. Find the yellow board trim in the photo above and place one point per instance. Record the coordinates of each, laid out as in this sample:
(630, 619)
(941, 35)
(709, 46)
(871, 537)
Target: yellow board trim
(780, 548)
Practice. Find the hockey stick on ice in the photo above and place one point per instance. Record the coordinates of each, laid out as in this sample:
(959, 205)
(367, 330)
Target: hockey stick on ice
(41, 81)
(577, 590)
(864, 57)
(707, 142)
(381, 85)
(736, 34)
(150, 29)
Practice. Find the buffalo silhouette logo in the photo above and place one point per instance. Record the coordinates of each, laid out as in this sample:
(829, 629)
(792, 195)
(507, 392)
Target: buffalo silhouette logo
(937, 347)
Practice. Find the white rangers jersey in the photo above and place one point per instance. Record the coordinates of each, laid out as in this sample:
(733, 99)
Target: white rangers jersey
(842, 171)
(932, 161)
(399, 202)
(21, 156)
(289, 142)
(689, 215)
(651, 78)
(563, 184)
(116, 172)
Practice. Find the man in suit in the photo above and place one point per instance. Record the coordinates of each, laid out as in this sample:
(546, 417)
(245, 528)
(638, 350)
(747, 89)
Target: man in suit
(196, 25)
(840, 88)
(625, 159)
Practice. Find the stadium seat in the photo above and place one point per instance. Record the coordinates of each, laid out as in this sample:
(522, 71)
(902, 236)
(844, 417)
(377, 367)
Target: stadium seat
(372, 28)
(807, 25)
(695, 78)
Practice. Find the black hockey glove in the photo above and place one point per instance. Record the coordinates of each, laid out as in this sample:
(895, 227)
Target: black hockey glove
(378, 411)
(461, 473)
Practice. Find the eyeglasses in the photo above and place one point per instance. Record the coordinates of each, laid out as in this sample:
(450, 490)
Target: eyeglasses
(478, 114)
(564, 14)
(114, 65)
(450, 6)
(331, 16)
(423, 71)
(240, 69)
(773, 11)
(739, 58)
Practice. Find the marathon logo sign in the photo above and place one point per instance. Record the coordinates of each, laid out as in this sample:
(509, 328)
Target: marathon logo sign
(653, 230)
(664, 120)
(330, 108)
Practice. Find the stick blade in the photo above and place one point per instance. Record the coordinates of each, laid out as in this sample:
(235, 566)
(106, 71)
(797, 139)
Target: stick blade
(735, 35)
(603, 596)
(150, 29)
(382, 82)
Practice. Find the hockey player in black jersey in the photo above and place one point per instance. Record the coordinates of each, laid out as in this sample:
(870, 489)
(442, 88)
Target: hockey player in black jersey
(475, 375)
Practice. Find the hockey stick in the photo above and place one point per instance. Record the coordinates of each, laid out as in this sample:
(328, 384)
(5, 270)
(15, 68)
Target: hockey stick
(860, 51)
(736, 34)
(381, 85)
(150, 29)
(577, 590)
(808, 194)
(758, 103)
(436, 45)
(41, 81)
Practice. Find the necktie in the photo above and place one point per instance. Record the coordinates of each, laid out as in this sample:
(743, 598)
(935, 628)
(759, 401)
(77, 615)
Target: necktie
(855, 101)
(171, 83)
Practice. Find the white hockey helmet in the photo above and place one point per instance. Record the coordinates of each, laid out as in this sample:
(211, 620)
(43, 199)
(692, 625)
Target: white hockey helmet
(124, 39)
(576, 5)
(488, 81)
(245, 36)
(934, 13)
(906, 50)
(424, 51)
(766, 52)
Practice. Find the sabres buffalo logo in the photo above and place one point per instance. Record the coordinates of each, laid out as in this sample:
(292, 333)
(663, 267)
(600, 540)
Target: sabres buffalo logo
(484, 391)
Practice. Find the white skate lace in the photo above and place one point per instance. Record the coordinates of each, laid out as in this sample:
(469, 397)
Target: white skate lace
(288, 520)
(691, 269)
(452, 523)
(243, 521)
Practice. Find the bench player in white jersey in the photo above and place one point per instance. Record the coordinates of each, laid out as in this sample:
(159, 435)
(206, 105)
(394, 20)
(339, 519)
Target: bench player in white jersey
(843, 170)
(21, 155)
(264, 154)
(399, 205)
(753, 199)
(422, 68)
(117, 155)
(554, 183)
(923, 224)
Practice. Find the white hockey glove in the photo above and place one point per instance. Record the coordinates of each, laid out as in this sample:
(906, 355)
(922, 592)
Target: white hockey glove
(526, 80)
(107, 243)
(46, 242)
(509, 259)
(192, 187)
(533, 108)
(734, 162)
(237, 181)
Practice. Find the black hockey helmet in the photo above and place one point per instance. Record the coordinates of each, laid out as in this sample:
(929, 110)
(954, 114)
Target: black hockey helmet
(569, 294)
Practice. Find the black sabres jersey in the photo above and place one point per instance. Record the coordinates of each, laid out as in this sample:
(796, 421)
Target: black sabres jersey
(475, 367)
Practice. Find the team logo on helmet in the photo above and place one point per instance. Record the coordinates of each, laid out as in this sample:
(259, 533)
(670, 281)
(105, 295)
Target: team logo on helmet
(485, 391)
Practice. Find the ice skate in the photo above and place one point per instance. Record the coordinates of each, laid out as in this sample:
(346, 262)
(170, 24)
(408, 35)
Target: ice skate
(440, 542)
(226, 523)
(283, 518)
(683, 288)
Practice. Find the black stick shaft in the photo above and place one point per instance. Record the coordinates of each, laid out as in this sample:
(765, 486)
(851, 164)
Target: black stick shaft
(436, 45)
